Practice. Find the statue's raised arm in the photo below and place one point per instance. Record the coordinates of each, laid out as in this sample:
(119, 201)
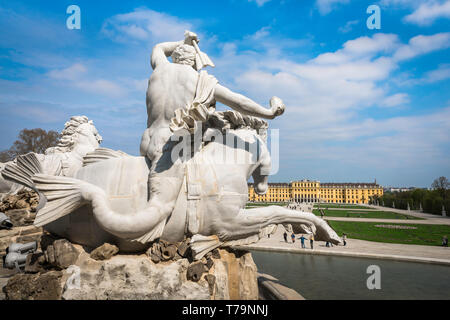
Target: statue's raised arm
(163, 50)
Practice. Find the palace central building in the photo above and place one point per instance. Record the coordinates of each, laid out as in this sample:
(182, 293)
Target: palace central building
(314, 191)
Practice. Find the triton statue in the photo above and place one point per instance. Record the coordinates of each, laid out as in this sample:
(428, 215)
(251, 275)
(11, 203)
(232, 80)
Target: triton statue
(171, 192)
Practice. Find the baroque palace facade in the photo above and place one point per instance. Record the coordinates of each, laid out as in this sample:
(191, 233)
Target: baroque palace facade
(314, 191)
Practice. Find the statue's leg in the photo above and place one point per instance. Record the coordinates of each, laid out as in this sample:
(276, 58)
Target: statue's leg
(250, 222)
(164, 182)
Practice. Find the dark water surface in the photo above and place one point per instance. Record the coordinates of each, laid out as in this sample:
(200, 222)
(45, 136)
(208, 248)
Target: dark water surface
(332, 277)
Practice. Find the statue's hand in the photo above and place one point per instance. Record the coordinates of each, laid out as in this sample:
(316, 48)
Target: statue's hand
(276, 106)
(261, 188)
(189, 36)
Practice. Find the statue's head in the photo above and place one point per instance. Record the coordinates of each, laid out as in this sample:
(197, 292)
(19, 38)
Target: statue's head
(184, 54)
(79, 130)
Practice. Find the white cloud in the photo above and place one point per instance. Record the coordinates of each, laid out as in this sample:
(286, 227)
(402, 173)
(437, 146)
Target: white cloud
(401, 3)
(360, 48)
(101, 86)
(442, 73)
(77, 75)
(45, 112)
(326, 6)
(428, 12)
(397, 99)
(259, 3)
(348, 26)
(71, 73)
(421, 44)
(407, 79)
(145, 25)
(261, 33)
(424, 12)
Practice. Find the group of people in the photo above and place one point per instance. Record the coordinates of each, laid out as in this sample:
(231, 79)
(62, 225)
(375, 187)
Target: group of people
(302, 239)
(311, 240)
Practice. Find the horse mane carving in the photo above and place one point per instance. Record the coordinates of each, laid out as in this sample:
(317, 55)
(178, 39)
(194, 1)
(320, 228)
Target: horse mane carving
(55, 161)
(234, 120)
(69, 135)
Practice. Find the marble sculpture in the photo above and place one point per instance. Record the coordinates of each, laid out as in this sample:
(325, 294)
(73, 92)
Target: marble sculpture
(172, 192)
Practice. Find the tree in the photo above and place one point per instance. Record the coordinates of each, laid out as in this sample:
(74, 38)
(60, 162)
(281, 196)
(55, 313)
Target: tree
(418, 195)
(6, 155)
(30, 140)
(441, 184)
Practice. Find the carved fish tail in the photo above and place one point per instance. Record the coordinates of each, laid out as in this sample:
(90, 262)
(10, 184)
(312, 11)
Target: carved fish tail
(23, 170)
(63, 197)
(153, 234)
(101, 154)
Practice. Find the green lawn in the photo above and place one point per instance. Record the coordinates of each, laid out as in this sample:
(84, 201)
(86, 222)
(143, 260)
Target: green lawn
(264, 204)
(342, 206)
(375, 214)
(430, 235)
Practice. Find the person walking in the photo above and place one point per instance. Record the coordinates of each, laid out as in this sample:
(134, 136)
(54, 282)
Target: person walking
(285, 236)
(293, 237)
(302, 240)
(311, 241)
(444, 241)
(344, 239)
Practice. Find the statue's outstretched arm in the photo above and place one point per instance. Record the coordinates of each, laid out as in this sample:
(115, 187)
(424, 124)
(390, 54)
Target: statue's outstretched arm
(163, 50)
(247, 106)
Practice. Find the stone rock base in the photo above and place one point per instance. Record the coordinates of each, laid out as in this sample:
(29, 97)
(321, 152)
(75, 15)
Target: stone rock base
(20, 208)
(233, 275)
(24, 199)
(45, 286)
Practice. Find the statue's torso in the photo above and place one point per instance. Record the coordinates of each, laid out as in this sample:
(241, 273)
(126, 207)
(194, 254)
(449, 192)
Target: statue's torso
(171, 86)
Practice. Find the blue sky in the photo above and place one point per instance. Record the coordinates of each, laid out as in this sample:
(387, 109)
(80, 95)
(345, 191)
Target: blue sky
(360, 104)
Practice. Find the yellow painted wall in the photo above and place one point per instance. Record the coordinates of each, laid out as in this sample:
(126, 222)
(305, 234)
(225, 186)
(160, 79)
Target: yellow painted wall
(313, 191)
